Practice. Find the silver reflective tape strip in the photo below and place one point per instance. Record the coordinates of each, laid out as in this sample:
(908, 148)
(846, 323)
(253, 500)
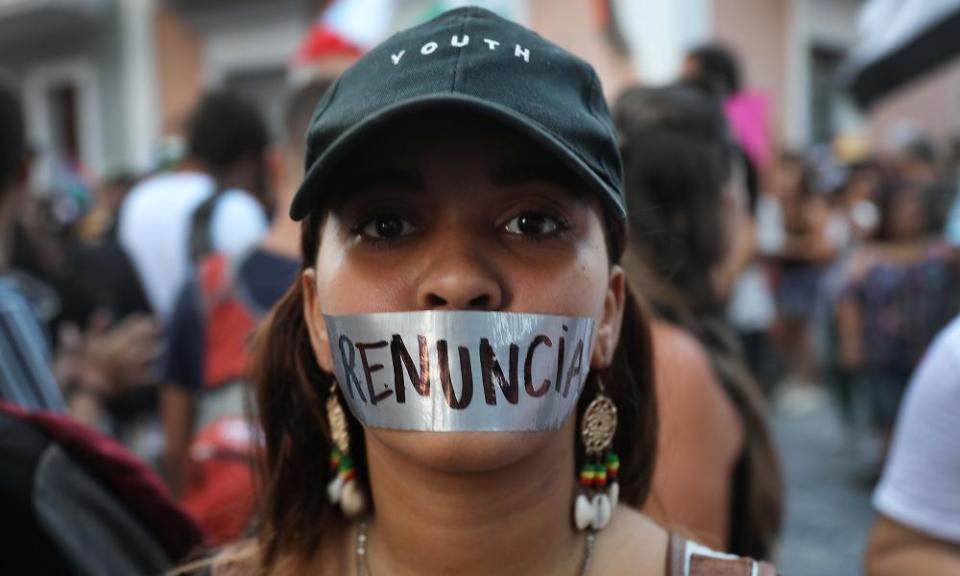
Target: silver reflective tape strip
(462, 371)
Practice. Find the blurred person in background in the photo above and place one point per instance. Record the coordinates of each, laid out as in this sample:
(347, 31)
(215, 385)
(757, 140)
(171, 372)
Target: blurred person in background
(215, 201)
(752, 308)
(916, 160)
(854, 217)
(41, 298)
(800, 261)
(207, 457)
(715, 70)
(917, 531)
(100, 221)
(899, 292)
(717, 474)
(25, 375)
(96, 292)
(74, 502)
(98, 308)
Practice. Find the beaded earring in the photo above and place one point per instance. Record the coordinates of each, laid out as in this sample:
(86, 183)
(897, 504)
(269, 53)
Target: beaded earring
(343, 489)
(599, 490)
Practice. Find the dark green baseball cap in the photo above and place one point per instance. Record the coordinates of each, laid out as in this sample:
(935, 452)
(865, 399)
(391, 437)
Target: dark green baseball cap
(470, 59)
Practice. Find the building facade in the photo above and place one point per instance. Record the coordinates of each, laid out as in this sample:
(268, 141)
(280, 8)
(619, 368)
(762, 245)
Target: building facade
(106, 82)
(82, 70)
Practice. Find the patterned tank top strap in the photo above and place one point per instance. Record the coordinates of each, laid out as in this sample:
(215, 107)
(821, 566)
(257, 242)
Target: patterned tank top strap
(687, 558)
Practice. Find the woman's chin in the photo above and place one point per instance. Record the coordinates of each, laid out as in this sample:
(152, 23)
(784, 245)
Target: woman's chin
(456, 452)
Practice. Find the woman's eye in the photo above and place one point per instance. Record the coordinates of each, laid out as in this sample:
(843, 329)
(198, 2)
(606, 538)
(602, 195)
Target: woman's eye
(532, 224)
(386, 228)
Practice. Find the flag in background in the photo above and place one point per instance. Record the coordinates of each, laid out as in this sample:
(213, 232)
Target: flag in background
(606, 17)
(422, 11)
(351, 27)
(347, 28)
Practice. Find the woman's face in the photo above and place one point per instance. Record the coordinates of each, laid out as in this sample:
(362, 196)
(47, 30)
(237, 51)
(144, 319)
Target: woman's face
(908, 216)
(454, 213)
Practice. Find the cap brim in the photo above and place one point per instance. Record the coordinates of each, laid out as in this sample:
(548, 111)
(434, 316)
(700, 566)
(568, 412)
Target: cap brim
(312, 188)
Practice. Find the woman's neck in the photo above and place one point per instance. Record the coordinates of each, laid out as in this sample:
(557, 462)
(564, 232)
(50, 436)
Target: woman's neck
(513, 520)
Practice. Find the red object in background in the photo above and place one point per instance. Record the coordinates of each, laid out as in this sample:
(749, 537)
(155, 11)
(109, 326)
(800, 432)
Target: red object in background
(609, 24)
(602, 12)
(220, 490)
(127, 478)
(323, 42)
(229, 324)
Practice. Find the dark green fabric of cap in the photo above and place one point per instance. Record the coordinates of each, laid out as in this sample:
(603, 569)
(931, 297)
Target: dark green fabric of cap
(469, 59)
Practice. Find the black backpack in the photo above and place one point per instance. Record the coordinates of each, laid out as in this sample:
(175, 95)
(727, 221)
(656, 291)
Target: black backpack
(75, 502)
(200, 242)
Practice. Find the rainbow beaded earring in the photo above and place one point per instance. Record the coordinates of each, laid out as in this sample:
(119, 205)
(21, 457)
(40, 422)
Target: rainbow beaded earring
(343, 489)
(599, 490)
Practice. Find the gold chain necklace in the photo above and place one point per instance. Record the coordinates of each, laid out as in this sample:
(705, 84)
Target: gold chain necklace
(361, 551)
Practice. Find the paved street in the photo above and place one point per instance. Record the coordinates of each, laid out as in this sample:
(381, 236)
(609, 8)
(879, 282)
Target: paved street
(829, 513)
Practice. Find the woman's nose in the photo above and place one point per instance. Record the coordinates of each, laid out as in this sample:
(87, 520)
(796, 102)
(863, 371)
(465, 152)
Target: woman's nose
(459, 278)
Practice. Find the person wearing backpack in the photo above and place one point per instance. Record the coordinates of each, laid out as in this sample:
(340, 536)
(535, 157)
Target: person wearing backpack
(208, 458)
(222, 181)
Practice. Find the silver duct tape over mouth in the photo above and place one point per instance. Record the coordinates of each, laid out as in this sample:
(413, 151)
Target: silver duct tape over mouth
(438, 371)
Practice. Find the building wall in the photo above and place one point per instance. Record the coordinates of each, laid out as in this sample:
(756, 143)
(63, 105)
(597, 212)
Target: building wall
(107, 55)
(660, 33)
(573, 25)
(56, 54)
(931, 103)
(240, 45)
(136, 56)
(756, 30)
(179, 68)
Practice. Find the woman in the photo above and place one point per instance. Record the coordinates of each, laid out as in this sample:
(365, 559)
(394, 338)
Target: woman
(463, 183)
(717, 474)
(899, 291)
(807, 250)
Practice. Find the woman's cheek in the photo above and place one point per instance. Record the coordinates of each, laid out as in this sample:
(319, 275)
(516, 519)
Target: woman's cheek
(358, 284)
(577, 288)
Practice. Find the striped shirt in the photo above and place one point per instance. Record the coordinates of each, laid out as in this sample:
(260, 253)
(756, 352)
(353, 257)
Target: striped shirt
(25, 375)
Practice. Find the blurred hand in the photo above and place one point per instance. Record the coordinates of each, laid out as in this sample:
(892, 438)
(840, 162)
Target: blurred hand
(105, 360)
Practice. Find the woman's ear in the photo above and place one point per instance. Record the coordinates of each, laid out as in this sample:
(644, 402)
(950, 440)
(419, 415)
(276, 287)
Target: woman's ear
(313, 316)
(608, 328)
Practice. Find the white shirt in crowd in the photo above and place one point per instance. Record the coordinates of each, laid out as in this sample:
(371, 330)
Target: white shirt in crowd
(953, 219)
(752, 307)
(154, 229)
(920, 487)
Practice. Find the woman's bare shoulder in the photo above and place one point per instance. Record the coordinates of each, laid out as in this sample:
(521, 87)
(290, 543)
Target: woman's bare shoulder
(676, 352)
(668, 337)
(332, 558)
(239, 559)
(632, 544)
(687, 386)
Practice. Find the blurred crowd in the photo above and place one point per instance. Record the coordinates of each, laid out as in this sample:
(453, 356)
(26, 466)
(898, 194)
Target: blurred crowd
(775, 276)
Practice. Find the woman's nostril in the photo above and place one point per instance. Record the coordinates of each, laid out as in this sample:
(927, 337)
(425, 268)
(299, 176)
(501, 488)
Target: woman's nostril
(436, 301)
(480, 302)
